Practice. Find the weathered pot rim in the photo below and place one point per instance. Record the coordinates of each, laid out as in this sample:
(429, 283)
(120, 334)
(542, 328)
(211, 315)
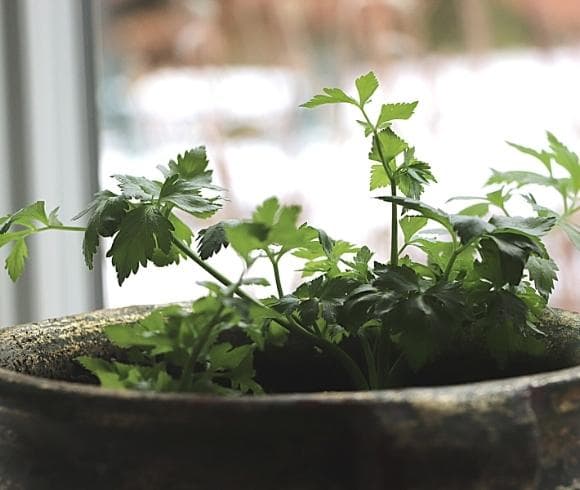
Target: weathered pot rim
(30, 384)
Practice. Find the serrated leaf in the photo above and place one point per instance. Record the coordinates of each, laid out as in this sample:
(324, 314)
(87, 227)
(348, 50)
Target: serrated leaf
(543, 272)
(567, 159)
(246, 237)
(542, 156)
(504, 256)
(469, 227)
(16, 260)
(411, 225)
(187, 196)
(141, 231)
(413, 175)
(535, 226)
(391, 146)
(30, 216)
(366, 85)
(379, 177)
(138, 187)
(521, 178)
(391, 112)
(191, 164)
(106, 212)
(267, 212)
(211, 239)
(330, 96)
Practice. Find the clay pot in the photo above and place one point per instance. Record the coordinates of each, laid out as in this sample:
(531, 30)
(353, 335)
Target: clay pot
(515, 433)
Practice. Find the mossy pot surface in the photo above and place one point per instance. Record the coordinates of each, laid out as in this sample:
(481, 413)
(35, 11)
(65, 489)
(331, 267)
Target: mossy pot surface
(520, 432)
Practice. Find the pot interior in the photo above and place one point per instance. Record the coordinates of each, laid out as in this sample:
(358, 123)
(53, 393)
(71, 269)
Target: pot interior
(48, 350)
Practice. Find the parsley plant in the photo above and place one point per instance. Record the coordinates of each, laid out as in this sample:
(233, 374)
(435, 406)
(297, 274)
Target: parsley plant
(486, 279)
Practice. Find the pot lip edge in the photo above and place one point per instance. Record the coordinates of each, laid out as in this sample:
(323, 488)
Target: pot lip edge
(489, 387)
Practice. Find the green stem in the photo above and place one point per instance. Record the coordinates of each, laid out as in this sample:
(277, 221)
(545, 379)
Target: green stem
(61, 228)
(351, 367)
(210, 270)
(505, 211)
(394, 214)
(333, 350)
(394, 228)
(187, 373)
(453, 258)
(274, 261)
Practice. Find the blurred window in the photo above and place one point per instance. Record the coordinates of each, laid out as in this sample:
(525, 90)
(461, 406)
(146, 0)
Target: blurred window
(230, 74)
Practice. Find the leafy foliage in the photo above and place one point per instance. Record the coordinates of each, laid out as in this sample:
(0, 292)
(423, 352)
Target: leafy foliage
(142, 220)
(16, 228)
(483, 276)
(181, 349)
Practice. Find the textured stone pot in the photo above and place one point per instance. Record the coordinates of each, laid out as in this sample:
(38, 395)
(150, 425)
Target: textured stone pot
(516, 433)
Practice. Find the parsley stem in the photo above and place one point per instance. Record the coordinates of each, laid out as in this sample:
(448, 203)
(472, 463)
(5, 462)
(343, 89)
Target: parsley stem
(453, 258)
(385, 163)
(210, 270)
(62, 228)
(274, 261)
(332, 349)
(394, 229)
(350, 366)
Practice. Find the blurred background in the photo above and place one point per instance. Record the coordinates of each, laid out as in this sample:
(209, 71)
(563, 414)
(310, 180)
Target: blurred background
(151, 78)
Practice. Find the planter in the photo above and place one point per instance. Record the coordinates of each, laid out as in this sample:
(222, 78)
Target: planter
(516, 433)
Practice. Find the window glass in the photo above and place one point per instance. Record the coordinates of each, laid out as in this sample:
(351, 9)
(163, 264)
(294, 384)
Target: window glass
(230, 74)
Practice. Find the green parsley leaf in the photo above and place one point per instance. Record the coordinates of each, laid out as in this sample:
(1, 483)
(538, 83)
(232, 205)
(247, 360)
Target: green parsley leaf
(138, 187)
(479, 209)
(366, 85)
(567, 159)
(379, 177)
(411, 225)
(141, 231)
(521, 178)
(413, 175)
(543, 272)
(391, 145)
(211, 239)
(193, 163)
(390, 112)
(469, 227)
(186, 195)
(106, 212)
(543, 156)
(535, 226)
(16, 259)
(330, 96)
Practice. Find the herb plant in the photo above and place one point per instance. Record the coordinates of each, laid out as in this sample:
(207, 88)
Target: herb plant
(486, 279)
